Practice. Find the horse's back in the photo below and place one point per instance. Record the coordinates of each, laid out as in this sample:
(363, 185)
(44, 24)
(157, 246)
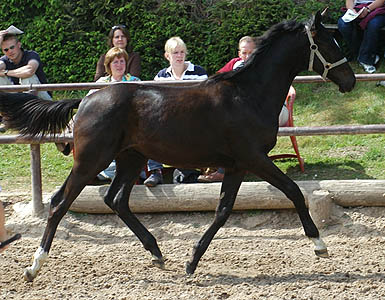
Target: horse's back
(196, 124)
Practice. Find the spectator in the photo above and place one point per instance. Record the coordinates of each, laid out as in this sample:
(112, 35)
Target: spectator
(179, 69)
(246, 47)
(120, 37)
(362, 33)
(115, 62)
(19, 66)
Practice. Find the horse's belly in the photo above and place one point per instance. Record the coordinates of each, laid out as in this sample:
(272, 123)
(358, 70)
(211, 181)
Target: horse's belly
(188, 157)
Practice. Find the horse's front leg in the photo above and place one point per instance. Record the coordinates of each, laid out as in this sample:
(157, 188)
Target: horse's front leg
(267, 170)
(128, 167)
(230, 186)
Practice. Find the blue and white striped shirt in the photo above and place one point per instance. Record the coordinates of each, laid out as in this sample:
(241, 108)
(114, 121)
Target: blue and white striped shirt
(191, 73)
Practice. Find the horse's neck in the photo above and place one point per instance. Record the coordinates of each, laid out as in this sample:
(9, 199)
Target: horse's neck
(268, 85)
(274, 72)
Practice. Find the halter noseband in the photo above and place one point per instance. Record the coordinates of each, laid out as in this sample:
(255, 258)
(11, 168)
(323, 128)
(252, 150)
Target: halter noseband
(314, 50)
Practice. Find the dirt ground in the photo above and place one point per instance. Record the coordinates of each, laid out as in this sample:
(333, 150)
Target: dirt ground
(257, 255)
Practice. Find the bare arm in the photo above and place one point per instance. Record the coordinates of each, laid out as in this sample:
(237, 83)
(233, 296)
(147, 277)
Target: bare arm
(23, 72)
(372, 6)
(376, 4)
(349, 4)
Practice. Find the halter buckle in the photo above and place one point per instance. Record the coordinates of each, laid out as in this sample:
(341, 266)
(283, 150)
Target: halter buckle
(314, 50)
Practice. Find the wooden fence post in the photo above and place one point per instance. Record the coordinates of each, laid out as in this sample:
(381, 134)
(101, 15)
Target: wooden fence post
(37, 197)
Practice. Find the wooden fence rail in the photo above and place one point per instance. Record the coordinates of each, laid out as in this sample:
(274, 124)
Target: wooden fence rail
(95, 85)
(37, 203)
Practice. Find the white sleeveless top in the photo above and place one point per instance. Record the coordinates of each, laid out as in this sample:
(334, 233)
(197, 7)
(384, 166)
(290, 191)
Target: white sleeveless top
(356, 2)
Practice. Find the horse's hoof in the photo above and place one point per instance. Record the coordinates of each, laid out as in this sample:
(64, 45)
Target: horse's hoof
(28, 276)
(190, 269)
(159, 262)
(322, 253)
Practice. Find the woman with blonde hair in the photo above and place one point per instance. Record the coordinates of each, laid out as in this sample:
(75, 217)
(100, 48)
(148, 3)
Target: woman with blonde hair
(179, 69)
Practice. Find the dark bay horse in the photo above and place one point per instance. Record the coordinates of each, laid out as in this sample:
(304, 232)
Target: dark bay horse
(229, 120)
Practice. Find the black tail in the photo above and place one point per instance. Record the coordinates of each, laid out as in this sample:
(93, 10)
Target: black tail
(34, 116)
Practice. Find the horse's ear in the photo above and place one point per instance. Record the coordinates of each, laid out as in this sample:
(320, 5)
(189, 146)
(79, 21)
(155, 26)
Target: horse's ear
(325, 11)
(316, 21)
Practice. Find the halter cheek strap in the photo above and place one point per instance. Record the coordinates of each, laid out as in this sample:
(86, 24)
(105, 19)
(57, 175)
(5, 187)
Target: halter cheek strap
(314, 50)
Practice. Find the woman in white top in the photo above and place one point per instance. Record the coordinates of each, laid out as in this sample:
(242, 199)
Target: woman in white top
(179, 69)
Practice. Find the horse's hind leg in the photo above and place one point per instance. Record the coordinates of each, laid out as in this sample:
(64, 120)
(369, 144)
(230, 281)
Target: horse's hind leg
(268, 171)
(128, 167)
(230, 186)
(82, 172)
(60, 203)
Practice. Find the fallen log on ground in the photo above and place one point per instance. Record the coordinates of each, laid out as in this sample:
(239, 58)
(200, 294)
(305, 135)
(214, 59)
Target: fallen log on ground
(252, 195)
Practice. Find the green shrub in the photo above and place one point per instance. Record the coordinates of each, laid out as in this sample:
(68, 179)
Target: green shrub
(71, 35)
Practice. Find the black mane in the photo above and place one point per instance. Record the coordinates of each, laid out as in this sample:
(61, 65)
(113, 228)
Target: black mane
(264, 43)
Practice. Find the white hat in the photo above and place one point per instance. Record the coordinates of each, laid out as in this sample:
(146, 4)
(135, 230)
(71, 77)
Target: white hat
(14, 30)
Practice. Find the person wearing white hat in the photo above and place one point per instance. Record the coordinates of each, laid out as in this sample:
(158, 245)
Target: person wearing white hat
(19, 66)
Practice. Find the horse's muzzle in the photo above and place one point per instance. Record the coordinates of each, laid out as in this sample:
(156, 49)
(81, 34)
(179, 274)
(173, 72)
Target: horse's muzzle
(348, 86)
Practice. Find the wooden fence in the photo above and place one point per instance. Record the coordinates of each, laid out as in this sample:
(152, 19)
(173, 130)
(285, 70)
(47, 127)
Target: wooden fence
(37, 203)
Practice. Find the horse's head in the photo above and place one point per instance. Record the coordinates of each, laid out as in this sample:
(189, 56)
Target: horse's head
(326, 57)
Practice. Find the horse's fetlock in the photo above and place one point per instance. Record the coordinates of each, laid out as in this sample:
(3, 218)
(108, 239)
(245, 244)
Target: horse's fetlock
(190, 268)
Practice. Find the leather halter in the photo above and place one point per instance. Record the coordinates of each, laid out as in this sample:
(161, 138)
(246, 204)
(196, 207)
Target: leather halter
(314, 50)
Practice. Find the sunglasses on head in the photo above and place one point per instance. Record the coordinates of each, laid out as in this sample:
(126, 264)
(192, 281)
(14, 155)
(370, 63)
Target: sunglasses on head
(10, 48)
(118, 27)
